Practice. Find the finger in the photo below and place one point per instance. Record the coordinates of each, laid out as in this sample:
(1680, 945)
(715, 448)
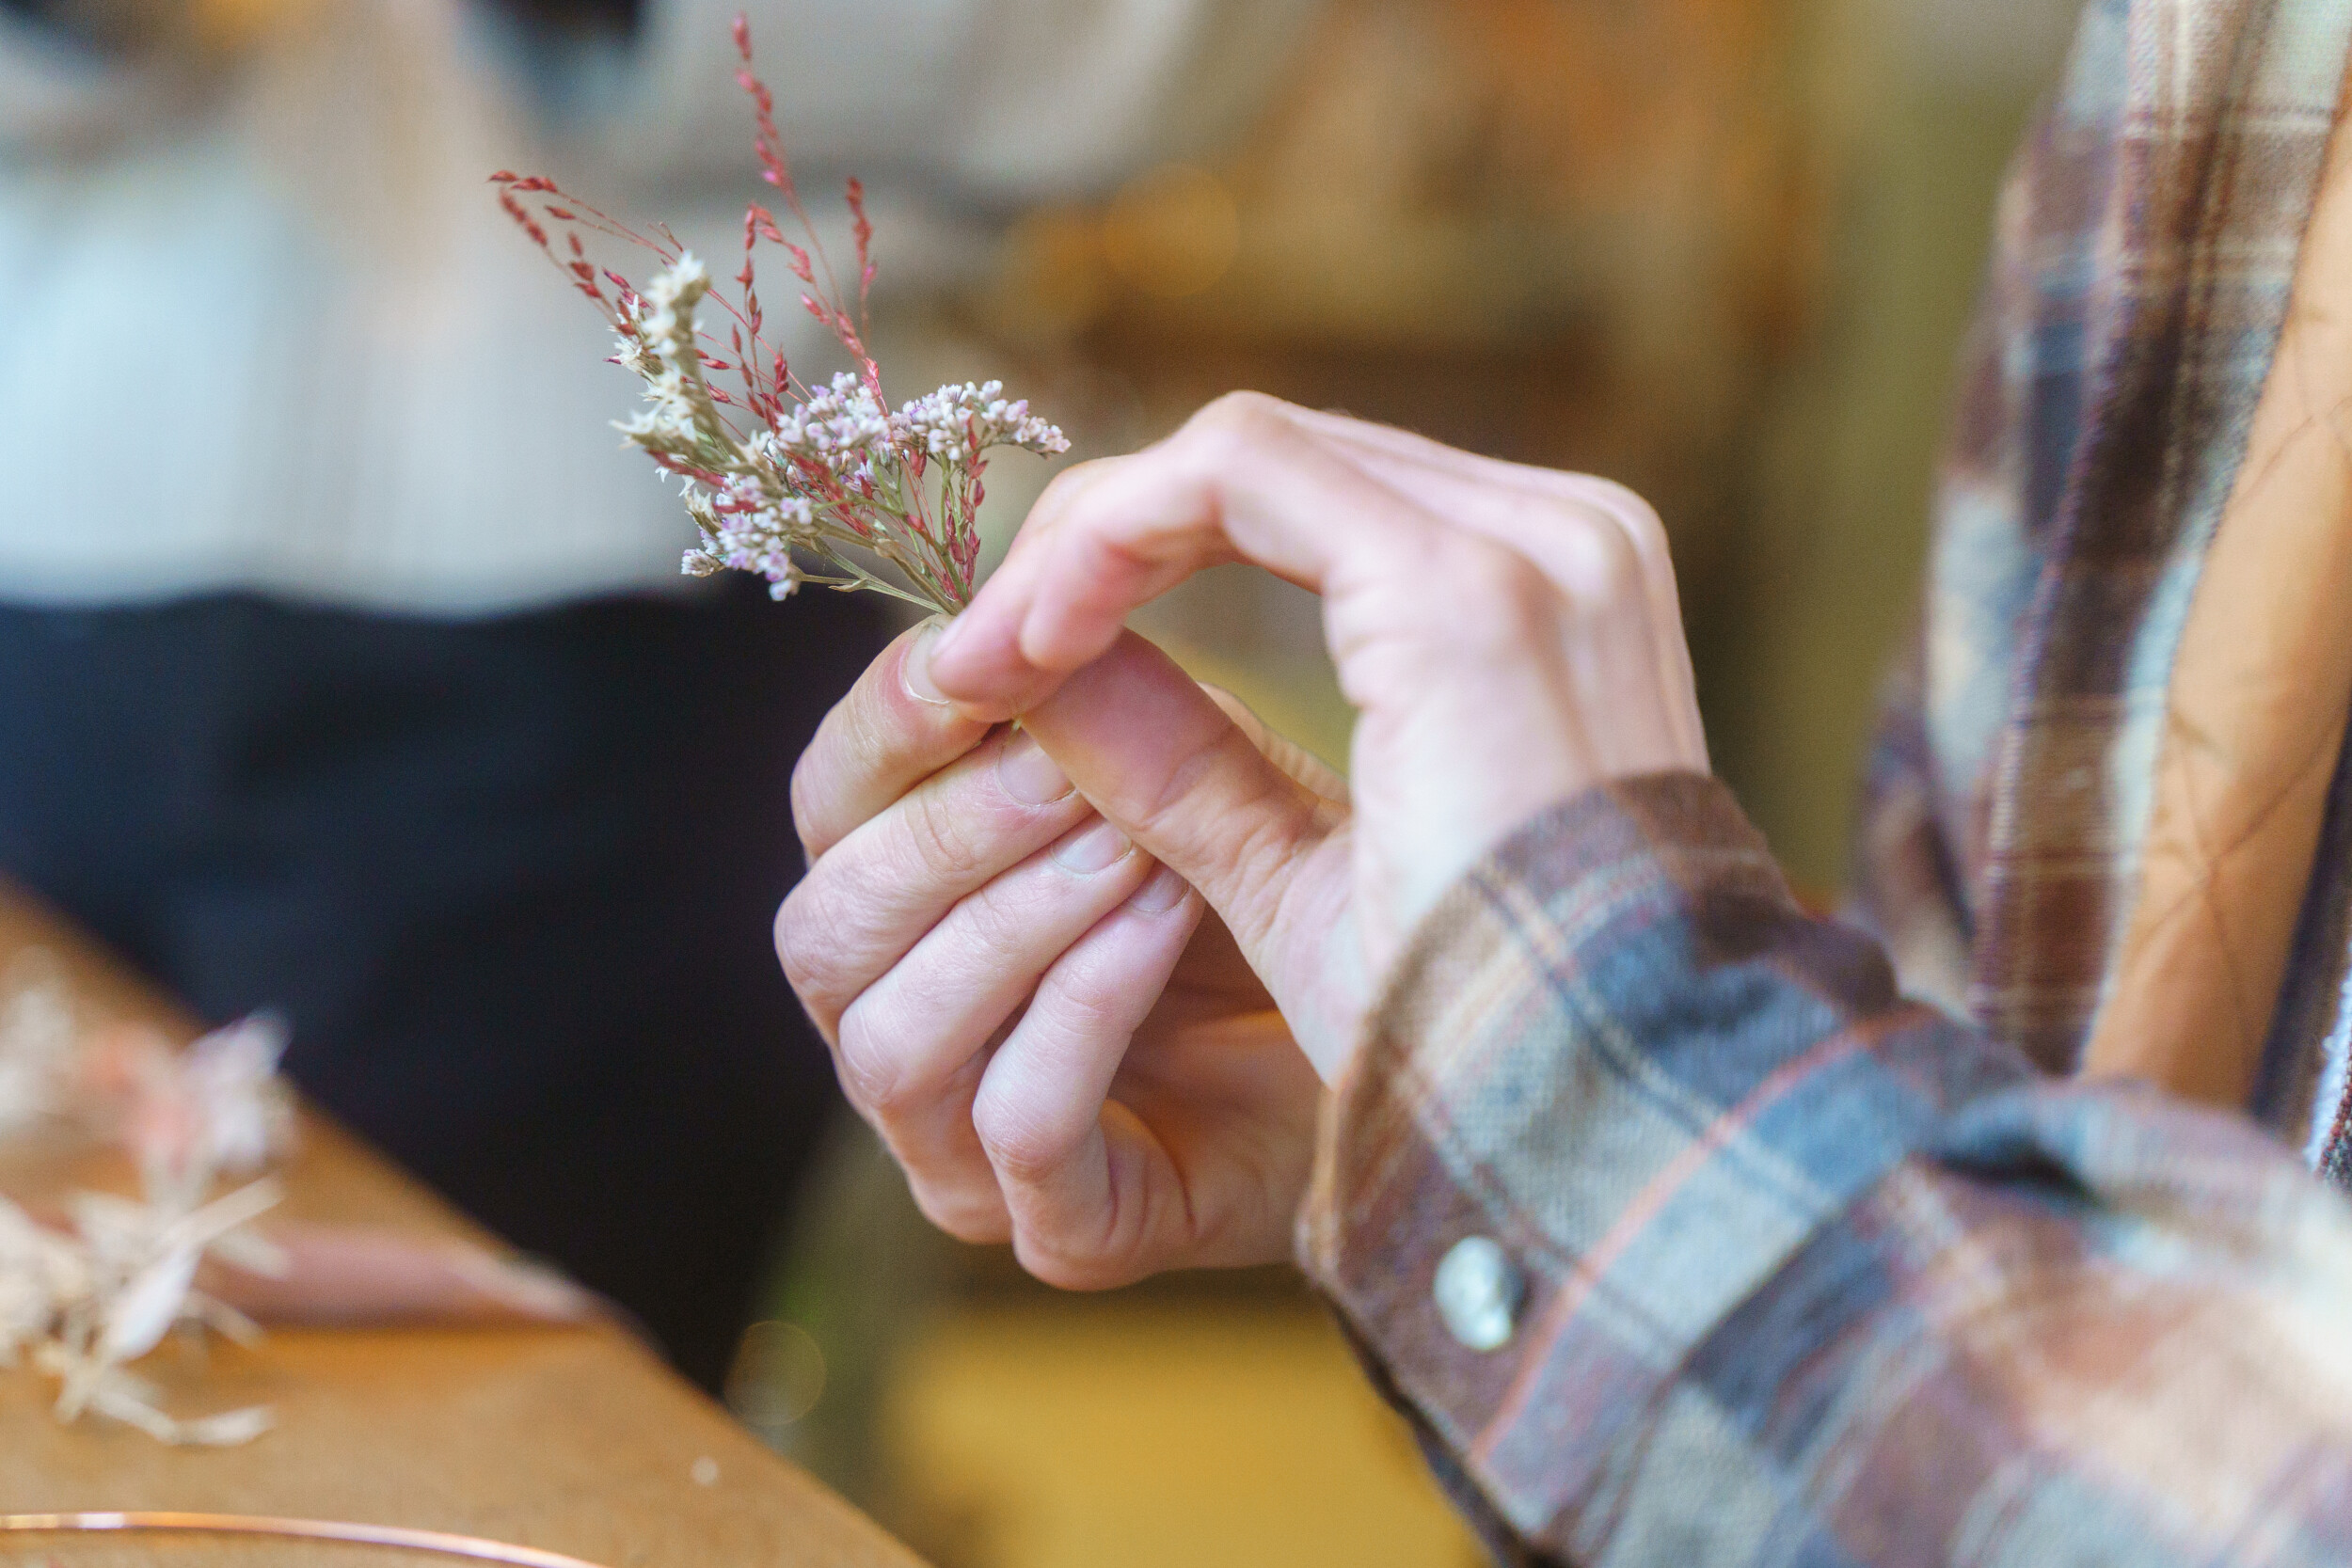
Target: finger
(940, 1155)
(914, 1049)
(1158, 756)
(891, 730)
(1420, 614)
(1280, 750)
(911, 1033)
(1040, 1114)
(1240, 482)
(871, 898)
(1372, 517)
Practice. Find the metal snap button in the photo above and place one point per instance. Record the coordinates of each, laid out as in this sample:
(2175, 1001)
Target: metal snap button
(1478, 1290)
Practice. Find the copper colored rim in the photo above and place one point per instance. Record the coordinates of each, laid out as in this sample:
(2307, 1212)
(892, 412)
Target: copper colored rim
(440, 1543)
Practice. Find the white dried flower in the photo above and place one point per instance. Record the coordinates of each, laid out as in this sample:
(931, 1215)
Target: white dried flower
(81, 1305)
(38, 1035)
(781, 477)
(841, 427)
(244, 1113)
(138, 1261)
(964, 421)
(40, 1272)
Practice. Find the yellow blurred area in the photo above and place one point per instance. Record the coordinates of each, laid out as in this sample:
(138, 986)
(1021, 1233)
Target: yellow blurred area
(228, 27)
(1156, 1437)
(1171, 231)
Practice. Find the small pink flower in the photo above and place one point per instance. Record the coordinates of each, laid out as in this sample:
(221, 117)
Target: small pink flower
(827, 476)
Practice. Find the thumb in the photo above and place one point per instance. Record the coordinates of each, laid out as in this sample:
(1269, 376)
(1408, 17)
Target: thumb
(1159, 758)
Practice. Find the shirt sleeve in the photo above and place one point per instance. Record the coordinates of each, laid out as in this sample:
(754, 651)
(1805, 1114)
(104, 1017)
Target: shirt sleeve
(1684, 1239)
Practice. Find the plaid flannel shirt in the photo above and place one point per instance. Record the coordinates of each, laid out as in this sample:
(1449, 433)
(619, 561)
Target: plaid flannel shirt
(1681, 1235)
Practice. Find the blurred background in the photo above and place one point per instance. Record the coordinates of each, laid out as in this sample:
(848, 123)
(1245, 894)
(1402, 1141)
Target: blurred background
(1721, 250)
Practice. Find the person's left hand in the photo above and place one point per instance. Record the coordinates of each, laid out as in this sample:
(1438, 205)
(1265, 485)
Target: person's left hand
(1056, 1046)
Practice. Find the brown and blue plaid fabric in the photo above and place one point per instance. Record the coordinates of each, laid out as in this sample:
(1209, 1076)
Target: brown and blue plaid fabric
(1801, 1271)
(2146, 248)
(1811, 1274)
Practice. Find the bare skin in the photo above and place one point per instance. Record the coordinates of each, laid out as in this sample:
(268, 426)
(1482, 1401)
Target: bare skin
(1118, 1069)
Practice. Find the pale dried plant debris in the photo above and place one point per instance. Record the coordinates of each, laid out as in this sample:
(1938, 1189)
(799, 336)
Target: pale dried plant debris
(37, 1037)
(778, 474)
(82, 1303)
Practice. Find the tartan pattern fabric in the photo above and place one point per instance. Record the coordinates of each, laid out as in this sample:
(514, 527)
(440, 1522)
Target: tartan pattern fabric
(1814, 1274)
(2146, 246)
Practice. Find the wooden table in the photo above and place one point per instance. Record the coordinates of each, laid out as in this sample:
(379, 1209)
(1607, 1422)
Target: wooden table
(573, 1439)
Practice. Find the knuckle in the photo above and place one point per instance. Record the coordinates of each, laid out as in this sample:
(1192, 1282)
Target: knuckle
(802, 794)
(1075, 480)
(1099, 1249)
(1021, 1143)
(991, 934)
(975, 1218)
(801, 945)
(1239, 410)
(941, 838)
(1243, 848)
(813, 939)
(1510, 598)
(1498, 574)
(1237, 422)
(1611, 566)
(1067, 1269)
(1256, 869)
(1631, 513)
(1093, 1000)
(869, 1070)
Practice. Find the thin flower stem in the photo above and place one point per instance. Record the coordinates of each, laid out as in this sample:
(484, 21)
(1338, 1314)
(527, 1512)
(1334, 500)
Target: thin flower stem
(821, 473)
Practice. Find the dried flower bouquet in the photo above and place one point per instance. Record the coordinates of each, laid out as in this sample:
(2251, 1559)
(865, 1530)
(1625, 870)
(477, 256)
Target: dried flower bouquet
(777, 474)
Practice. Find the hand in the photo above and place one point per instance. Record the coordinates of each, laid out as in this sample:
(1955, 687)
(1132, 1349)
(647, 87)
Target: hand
(1057, 1045)
(1511, 637)
(1509, 634)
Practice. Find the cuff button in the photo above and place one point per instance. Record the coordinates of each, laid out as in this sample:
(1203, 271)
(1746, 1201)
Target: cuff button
(1478, 1291)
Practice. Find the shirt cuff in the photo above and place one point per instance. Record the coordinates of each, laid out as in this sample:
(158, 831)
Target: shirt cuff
(1617, 1082)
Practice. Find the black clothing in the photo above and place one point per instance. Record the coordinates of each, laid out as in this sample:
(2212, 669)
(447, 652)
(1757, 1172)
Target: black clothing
(510, 879)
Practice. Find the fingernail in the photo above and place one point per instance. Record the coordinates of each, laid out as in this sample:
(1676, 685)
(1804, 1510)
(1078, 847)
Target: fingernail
(1163, 893)
(1091, 849)
(914, 670)
(1028, 774)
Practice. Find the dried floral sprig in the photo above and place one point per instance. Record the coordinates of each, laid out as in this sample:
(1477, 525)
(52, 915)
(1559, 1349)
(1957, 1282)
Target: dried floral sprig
(779, 473)
(39, 1033)
(133, 1281)
(191, 1117)
(81, 1305)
